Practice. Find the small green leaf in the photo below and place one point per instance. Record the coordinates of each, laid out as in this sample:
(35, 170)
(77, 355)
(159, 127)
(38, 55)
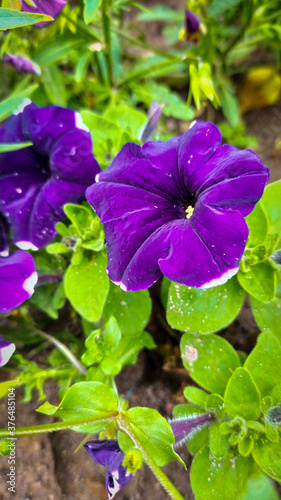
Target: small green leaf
(242, 398)
(153, 432)
(132, 310)
(90, 9)
(86, 399)
(268, 457)
(210, 360)
(215, 403)
(206, 311)
(219, 480)
(259, 282)
(271, 432)
(54, 248)
(198, 441)
(257, 224)
(87, 285)
(10, 18)
(245, 446)
(271, 205)
(263, 361)
(8, 105)
(218, 442)
(14, 146)
(195, 395)
(6, 445)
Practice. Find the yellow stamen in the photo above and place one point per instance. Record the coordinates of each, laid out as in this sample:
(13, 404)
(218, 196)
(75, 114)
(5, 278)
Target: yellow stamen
(189, 211)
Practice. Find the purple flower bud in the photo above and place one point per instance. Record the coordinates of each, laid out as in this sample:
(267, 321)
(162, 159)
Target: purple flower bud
(154, 114)
(107, 452)
(22, 64)
(6, 351)
(49, 7)
(274, 415)
(17, 280)
(184, 428)
(192, 22)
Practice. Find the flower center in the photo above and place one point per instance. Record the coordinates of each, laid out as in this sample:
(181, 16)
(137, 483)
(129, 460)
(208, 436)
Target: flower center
(189, 211)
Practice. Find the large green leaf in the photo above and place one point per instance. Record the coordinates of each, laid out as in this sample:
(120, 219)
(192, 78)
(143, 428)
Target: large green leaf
(10, 18)
(264, 363)
(242, 397)
(87, 285)
(213, 479)
(268, 315)
(152, 431)
(206, 311)
(210, 360)
(257, 224)
(260, 487)
(132, 310)
(85, 399)
(268, 457)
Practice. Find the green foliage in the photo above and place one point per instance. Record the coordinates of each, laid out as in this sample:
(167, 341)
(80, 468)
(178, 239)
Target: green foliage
(14, 146)
(10, 18)
(206, 311)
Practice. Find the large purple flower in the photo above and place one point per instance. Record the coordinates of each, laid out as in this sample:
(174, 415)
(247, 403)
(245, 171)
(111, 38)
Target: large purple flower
(17, 280)
(107, 452)
(49, 7)
(177, 208)
(6, 351)
(37, 181)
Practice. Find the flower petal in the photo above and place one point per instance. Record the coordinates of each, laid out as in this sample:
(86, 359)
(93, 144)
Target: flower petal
(49, 7)
(6, 351)
(22, 64)
(102, 451)
(17, 280)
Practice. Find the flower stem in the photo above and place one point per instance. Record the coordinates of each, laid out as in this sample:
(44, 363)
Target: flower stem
(67, 353)
(54, 426)
(157, 471)
(107, 39)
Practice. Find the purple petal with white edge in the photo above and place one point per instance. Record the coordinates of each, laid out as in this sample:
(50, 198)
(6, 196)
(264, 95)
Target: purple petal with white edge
(108, 453)
(22, 64)
(6, 351)
(206, 247)
(17, 280)
(49, 7)
(183, 428)
(37, 181)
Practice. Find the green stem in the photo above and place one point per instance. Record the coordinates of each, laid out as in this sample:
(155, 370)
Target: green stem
(139, 43)
(147, 71)
(65, 351)
(54, 426)
(157, 471)
(107, 40)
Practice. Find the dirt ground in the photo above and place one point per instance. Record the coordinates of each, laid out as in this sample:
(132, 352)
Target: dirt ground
(46, 466)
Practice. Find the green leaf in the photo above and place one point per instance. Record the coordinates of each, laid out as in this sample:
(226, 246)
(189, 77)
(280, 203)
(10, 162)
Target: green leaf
(10, 18)
(80, 216)
(245, 446)
(198, 441)
(195, 395)
(215, 403)
(86, 399)
(53, 50)
(230, 106)
(5, 386)
(268, 315)
(90, 9)
(53, 83)
(263, 361)
(153, 432)
(271, 204)
(257, 224)
(87, 285)
(55, 248)
(218, 442)
(127, 118)
(8, 105)
(260, 487)
(14, 146)
(268, 457)
(210, 360)
(242, 397)
(218, 7)
(259, 281)
(206, 311)
(132, 310)
(218, 480)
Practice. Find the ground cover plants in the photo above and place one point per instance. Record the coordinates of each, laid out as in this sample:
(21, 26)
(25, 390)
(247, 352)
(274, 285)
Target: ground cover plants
(127, 212)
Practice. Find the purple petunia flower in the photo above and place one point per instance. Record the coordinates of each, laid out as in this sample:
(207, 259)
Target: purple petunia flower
(177, 208)
(49, 7)
(22, 64)
(17, 280)
(107, 452)
(6, 351)
(37, 181)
